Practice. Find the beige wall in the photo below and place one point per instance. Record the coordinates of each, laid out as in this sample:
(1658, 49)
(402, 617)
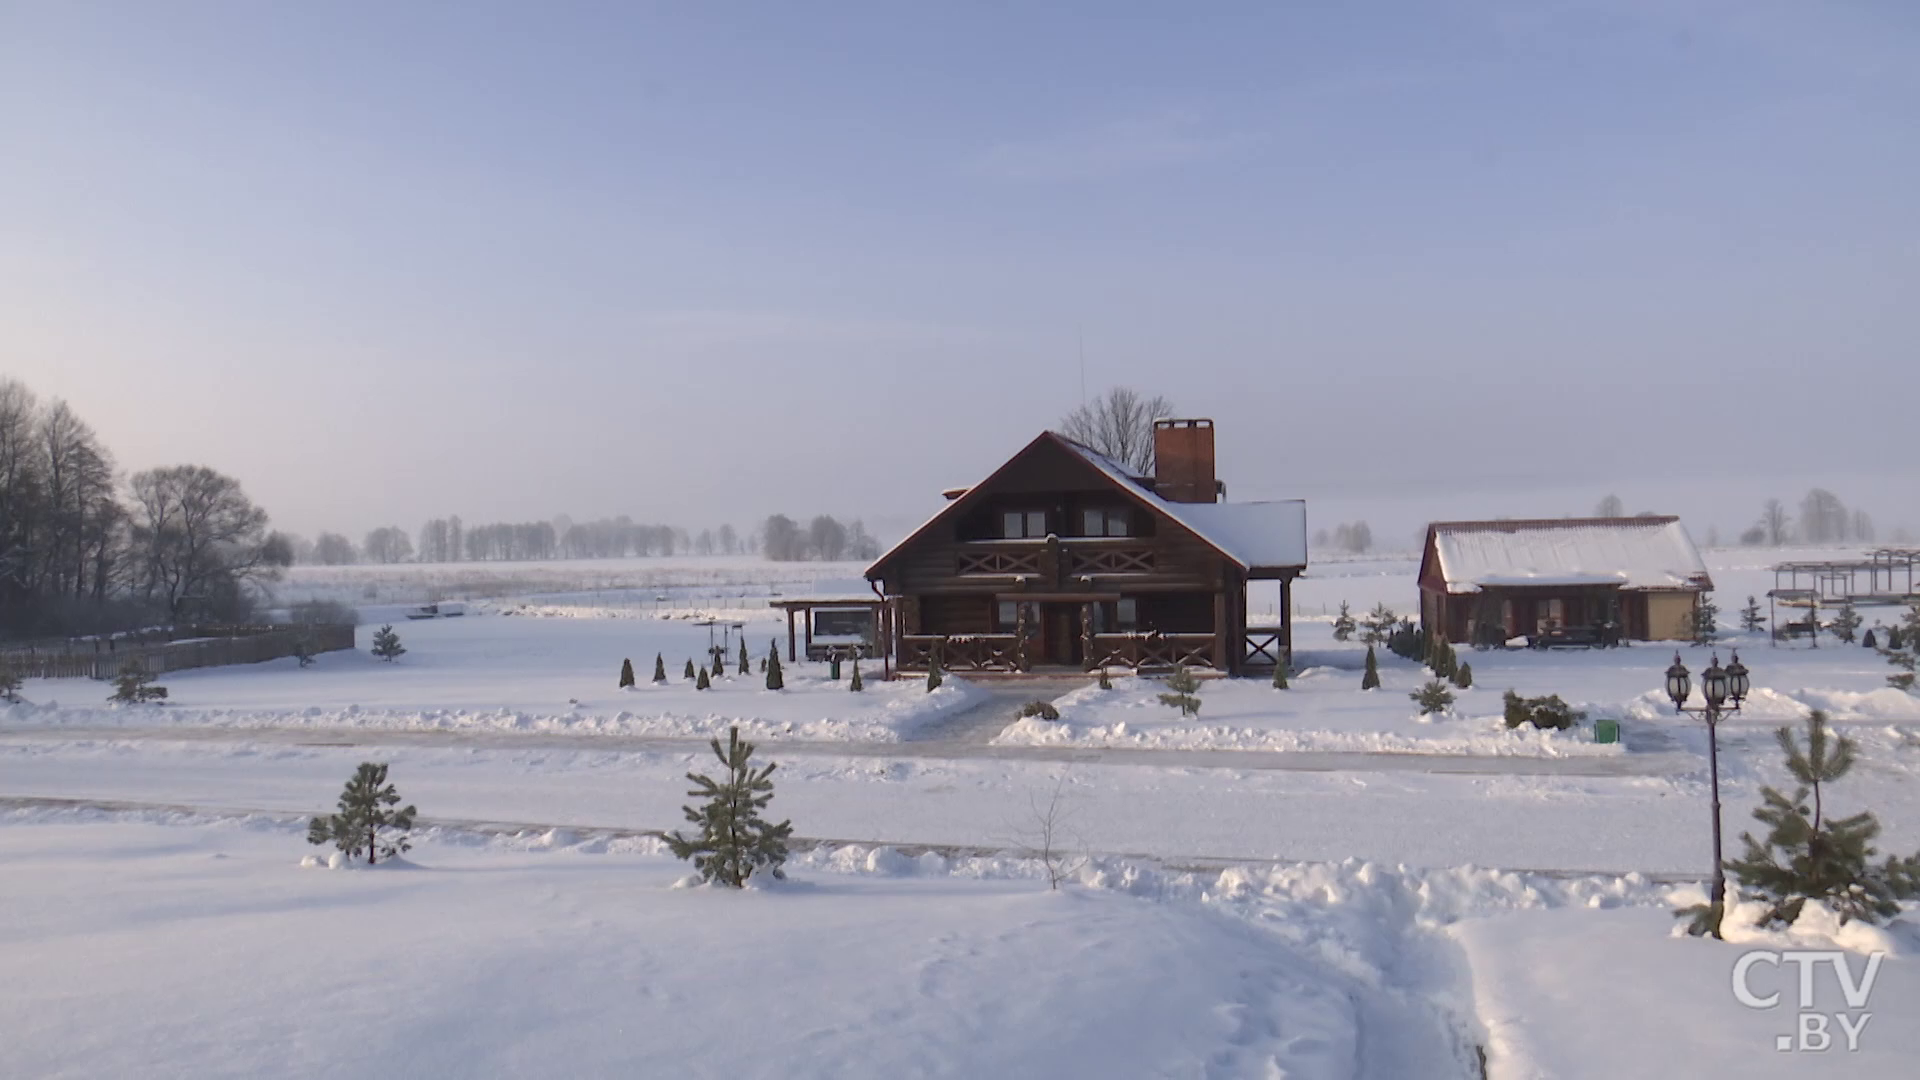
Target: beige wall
(1670, 616)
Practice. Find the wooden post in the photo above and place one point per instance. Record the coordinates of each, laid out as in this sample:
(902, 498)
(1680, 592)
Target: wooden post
(791, 657)
(1220, 624)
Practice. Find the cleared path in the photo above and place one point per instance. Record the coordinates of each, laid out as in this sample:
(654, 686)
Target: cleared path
(958, 743)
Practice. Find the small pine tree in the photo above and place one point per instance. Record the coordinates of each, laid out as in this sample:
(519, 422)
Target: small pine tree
(933, 671)
(303, 651)
(701, 681)
(1186, 692)
(365, 809)
(734, 842)
(1343, 624)
(1806, 856)
(1380, 624)
(775, 679)
(1869, 641)
(1903, 649)
(719, 663)
(1706, 620)
(626, 673)
(386, 644)
(1433, 697)
(1846, 623)
(1280, 675)
(855, 684)
(1463, 678)
(746, 662)
(659, 668)
(1750, 618)
(9, 686)
(1370, 680)
(1105, 682)
(689, 674)
(134, 686)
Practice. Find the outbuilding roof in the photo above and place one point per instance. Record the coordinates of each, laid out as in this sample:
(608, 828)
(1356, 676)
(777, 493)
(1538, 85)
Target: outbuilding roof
(1652, 553)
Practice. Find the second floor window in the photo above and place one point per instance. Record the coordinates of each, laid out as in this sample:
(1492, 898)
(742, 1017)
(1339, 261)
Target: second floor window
(1105, 522)
(1018, 524)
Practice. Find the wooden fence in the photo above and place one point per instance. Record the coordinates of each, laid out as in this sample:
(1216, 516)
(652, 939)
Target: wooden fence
(158, 652)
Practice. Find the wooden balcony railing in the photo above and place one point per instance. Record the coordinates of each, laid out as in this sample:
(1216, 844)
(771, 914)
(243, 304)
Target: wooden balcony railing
(961, 652)
(1007, 559)
(1084, 557)
(1151, 651)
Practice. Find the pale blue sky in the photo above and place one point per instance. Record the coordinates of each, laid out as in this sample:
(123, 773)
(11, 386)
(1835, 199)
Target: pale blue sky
(699, 262)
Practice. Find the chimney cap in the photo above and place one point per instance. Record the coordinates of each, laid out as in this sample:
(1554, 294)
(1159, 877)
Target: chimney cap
(1171, 421)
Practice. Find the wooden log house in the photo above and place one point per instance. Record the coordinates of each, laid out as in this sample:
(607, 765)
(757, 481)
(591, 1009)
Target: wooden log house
(1065, 559)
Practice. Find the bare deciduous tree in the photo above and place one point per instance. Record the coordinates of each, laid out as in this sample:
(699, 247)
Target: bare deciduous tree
(199, 539)
(1119, 424)
(1610, 507)
(1776, 523)
(1044, 834)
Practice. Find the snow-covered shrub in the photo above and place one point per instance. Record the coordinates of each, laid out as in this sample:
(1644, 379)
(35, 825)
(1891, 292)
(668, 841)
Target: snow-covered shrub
(1042, 709)
(134, 686)
(1546, 713)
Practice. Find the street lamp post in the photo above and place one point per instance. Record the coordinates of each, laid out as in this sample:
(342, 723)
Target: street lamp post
(1718, 686)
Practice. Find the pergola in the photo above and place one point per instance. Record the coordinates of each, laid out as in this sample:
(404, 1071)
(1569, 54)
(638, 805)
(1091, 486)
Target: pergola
(804, 607)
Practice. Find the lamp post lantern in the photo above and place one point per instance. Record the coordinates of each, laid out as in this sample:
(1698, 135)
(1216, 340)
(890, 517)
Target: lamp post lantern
(1718, 686)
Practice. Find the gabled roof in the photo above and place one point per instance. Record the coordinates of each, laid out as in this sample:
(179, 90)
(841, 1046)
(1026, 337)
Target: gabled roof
(1632, 553)
(1257, 536)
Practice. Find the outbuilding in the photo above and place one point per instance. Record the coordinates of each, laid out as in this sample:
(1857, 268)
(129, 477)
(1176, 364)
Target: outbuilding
(1580, 580)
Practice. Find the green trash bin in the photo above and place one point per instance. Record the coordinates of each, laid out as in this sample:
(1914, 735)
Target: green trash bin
(1606, 730)
(833, 670)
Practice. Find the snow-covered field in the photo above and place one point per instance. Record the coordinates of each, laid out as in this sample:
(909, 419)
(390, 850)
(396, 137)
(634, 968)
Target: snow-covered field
(1281, 887)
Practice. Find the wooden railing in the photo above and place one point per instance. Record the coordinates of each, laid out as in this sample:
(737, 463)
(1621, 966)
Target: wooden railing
(1006, 559)
(1263, 647)
(961, 652)
(1095, 558)
(1084, 557)
(1151, 651)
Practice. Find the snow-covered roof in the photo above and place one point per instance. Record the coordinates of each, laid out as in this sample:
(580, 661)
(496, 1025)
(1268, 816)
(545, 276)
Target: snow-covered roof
(1255, 534)
(1632, 553)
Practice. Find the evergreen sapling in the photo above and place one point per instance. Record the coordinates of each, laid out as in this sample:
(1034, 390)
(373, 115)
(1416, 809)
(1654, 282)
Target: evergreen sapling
(934, 678)
(1433, 697)
(659, 668)
(1846, 623)
(1343, 624)
(1370, 679)
(733, 842)
(689, 674)
(626, 673)
(855, 684)
(1706, 620)
(775, 679)
(1186, 692)
(386, 644)
(1809, 856)
(1280, 675)
(1750, 618)
(1463, 678)
(746, 662)
(701, 681)
(1903, 649)
(134, 686)
(1106, 683)
(9, 686)
(365, 808)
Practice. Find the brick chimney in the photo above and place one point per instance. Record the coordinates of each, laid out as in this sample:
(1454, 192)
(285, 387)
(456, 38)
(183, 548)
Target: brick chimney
(1183, 461)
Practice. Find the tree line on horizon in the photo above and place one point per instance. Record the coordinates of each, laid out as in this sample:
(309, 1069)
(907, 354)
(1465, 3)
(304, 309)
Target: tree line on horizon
(449, 540)
(1823, 519)
(82, 551)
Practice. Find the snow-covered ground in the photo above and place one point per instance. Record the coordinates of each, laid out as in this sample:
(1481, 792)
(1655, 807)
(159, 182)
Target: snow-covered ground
(489, 672)
(1282, 886)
